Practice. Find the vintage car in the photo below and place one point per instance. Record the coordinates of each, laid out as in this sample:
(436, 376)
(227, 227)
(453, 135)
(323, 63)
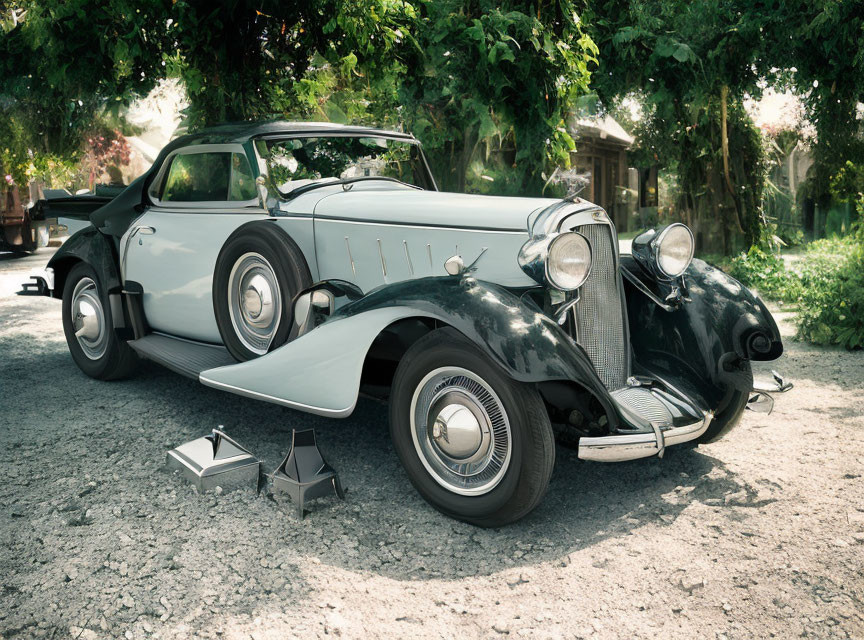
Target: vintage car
(302, 264)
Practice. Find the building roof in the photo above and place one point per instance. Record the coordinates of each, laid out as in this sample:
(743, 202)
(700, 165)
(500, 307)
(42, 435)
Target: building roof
(603, 127)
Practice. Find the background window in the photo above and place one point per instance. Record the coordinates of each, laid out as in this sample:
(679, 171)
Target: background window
(198, 177)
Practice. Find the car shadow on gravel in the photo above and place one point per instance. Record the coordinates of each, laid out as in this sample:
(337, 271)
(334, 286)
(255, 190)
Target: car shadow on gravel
(115, 436)
(385, 526)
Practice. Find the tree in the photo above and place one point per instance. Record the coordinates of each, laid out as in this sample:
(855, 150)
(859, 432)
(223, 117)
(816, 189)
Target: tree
(62, 66)
(691, 64)
(63, 61)
(496, 78)
(822, 51)
(247, 60)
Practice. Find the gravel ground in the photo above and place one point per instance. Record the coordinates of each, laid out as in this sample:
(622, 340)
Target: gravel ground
(759, 535)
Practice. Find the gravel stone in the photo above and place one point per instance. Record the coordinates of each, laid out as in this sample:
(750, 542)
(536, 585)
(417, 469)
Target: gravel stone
(752, 517)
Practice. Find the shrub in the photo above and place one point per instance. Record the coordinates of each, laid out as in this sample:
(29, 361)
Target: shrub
(831, 298)
(827, 287)
(764, 271)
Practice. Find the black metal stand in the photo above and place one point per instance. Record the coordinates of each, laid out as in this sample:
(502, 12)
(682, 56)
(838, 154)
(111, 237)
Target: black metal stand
(303, 474)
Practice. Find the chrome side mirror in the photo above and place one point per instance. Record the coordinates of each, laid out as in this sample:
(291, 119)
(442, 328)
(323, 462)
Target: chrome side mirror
(261, 186)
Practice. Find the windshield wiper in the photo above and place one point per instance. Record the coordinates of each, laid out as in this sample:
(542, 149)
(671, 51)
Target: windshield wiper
(345, 182)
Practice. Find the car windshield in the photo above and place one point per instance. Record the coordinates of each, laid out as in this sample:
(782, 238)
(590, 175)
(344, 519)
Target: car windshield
(296, 162)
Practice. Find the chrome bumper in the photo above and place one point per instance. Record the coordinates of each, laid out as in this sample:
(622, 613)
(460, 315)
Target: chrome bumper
(640, 445)
(760, 400)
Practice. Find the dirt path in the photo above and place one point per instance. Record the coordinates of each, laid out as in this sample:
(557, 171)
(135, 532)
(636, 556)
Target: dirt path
(760, 535)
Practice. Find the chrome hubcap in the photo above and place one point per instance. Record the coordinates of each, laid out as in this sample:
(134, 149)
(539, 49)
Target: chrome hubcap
(88, 319)
(254, 301)
(460, 431)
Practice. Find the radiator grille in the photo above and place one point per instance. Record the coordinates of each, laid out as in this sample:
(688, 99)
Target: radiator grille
(641, 401)
(599, 314)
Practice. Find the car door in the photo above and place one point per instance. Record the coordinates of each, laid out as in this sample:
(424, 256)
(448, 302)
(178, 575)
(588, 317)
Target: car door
(200, 196)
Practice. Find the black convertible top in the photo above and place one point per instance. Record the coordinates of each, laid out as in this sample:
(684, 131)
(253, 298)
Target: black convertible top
(243, 131)
(115, 216)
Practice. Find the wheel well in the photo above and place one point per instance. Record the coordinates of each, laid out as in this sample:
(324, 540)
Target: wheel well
(387, 350)
(568, 402)
(62, 267)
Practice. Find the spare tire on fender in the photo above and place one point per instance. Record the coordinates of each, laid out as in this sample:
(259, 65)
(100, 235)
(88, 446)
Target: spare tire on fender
(258, 272)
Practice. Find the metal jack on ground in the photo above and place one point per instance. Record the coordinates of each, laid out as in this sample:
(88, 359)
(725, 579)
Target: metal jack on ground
(303, 474)
(215, 460)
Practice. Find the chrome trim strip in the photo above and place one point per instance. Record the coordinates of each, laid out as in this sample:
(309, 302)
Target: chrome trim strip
(330, 413)
(383, 262)
(778, 385)
(633, 446)
(551, 218)
(377, 223)
(350, 257)
(408, 257)
(429, 253)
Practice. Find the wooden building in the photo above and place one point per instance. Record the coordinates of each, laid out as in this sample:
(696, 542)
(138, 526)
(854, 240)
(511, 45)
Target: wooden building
(601, 161)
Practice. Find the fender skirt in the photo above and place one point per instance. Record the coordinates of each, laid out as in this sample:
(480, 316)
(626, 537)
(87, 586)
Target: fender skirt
(320, 371)
(700, 346)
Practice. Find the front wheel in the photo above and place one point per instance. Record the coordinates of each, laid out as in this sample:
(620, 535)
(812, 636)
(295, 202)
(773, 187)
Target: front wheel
(477, 445)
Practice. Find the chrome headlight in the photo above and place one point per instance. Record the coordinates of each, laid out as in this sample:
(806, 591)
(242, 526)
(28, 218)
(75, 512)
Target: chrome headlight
(666, 252)
(568, 262)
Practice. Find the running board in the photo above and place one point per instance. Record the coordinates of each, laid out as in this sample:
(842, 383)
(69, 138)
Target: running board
(182, 356)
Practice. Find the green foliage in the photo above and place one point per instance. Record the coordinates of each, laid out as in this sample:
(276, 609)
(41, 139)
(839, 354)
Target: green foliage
(820, 43)
(763, 270)
(831, 299)
(680, 59)
(848, 183)
(826, 286)
(492, 82)
(331, 60)
(475, 80)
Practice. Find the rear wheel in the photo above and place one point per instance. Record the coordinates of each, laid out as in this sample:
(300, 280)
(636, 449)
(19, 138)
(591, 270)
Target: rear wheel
(258, 273)
(476, 444)
(89, 328)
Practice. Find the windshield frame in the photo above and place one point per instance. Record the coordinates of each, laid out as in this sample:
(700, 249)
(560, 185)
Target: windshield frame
(403, 138)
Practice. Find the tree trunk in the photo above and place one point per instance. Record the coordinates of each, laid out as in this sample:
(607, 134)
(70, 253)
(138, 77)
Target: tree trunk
(724, 142)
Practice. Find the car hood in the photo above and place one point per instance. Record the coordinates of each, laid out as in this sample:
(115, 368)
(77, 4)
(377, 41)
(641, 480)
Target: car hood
(431, 208)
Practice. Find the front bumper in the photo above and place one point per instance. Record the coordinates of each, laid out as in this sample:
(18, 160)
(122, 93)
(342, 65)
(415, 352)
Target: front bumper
(619, 448)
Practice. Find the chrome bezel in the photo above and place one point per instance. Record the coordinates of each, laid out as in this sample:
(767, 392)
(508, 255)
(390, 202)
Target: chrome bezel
(534, 258)
(547, 260)
(657, 243)
(646, 250)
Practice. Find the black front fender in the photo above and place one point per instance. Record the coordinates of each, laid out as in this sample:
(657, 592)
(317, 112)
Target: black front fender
(702, 344)
(513, 331)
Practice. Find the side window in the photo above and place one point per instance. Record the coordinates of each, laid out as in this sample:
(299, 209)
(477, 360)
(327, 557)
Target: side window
(242, 181)
(198, 177)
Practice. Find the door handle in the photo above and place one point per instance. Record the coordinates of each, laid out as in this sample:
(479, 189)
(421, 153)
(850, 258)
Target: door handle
(146, 231)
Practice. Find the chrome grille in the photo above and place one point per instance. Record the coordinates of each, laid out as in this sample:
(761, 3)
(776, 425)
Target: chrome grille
(599, 313)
